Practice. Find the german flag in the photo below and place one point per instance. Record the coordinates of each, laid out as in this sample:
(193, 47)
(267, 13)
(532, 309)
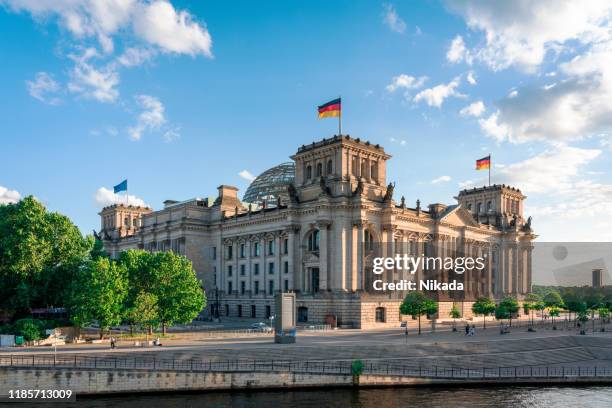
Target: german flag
(331, 109)
(484, 163)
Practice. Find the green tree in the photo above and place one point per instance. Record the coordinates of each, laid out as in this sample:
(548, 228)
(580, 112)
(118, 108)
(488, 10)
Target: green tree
(507, 309)
(99, 294)
(574, 303)
(604, 315)
(554, 312)
(416, 304)
(455, 314)
(144, 312)
(483, 306)
(30, 329)
(171, 278)
(532, 302)
(40, 254)
(583, 317)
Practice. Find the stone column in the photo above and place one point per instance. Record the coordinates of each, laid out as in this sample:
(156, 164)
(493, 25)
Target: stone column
(323, 226)
(294, 272)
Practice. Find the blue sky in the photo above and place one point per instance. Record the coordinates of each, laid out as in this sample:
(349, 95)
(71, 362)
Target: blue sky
(182, 96)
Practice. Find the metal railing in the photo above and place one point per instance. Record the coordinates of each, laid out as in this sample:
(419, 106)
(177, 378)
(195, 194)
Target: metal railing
(332, 367)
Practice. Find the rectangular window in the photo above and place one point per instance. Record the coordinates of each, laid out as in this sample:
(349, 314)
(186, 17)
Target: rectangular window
(242, 249)
(286, 246)
(286, 285)
(256, 271)
(230, 252)
(253, 311)
(242, 270)
(271, 268)
(229, 270)
(239, 310)
(286, 267)
(271, 287)
(214, 253)
(242, 287)
(255, 248)
(257, 287)
(271, 247)
(229, 287)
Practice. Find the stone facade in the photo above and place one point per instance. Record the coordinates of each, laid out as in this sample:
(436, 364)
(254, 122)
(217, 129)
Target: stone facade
(318, 243)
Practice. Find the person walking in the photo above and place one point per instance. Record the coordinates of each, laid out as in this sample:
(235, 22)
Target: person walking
(467, 329)
(112, 343)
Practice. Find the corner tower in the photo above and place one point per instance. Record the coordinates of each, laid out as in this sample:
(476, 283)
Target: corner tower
(498, 205)
(342, 163)
(120, 220)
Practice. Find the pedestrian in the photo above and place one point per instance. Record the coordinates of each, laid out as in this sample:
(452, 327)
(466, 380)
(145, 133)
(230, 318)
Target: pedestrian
(112, 342)
(467, 329)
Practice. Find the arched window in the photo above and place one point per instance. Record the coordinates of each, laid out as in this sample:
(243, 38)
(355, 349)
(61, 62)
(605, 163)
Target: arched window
(329, 167)
(319, 169)
(380, 315)
(313, 241)
(308, 172)
(479, 208)
(470, 207)
(489, 206)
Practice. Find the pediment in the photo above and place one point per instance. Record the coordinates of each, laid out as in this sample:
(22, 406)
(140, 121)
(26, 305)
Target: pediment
(459, 216)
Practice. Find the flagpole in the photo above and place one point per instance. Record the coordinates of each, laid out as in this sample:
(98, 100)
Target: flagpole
(490, 165)
(340, 118)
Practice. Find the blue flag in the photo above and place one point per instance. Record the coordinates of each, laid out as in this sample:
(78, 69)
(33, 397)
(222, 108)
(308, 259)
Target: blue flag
(121, 186)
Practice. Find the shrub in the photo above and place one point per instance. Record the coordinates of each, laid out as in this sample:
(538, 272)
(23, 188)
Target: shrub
(30, 329)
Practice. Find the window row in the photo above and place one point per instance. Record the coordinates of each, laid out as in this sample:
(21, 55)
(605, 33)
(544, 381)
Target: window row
(243, 267)
(255, 249)
(319, 170)
(256, 288)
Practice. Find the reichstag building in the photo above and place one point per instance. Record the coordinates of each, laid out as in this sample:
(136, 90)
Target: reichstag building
(312, 225)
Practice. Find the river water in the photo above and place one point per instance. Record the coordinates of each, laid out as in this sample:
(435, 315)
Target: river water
(587, 396)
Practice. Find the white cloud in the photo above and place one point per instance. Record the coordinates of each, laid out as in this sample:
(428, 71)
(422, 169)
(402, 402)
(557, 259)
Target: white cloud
(559, 188)
(247, 175)
(573, 108)
(105, 197)
(132, 56)
(521, 33)
(156, 22)
(90, 82)
(471, 78)
(401, 142)
(406, 82)
(435, 96)
(474, 109)
(151, 118)
(43, 88)
(441, 179)
(170, 135)
(160, 24)
(555, 170)
(8, 196)
(149, 26)
(392, 20)
(457, 51)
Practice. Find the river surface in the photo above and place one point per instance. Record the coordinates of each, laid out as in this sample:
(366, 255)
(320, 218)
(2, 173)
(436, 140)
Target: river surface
(587, 396)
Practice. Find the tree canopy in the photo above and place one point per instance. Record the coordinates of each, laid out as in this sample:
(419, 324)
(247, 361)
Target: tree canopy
(40, 251)
(417, 304)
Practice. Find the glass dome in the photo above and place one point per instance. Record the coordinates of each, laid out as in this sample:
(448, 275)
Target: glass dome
(271, 184)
